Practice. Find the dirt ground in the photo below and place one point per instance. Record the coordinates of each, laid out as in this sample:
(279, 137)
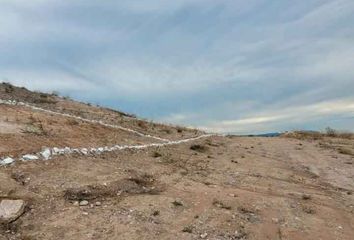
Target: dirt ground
(215, 188)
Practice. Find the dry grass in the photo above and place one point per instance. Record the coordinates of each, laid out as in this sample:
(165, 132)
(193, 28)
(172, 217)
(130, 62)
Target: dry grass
(35, 127)
(346, 151)
(314, 135)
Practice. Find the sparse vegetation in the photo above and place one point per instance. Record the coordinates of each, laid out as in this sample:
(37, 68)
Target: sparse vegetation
(156, 154)
(167, 130)
(8, 88)
(44, 98)
(346, 151)
(188, 229)
(198, 148)
(220, 204)
(142, 124)
(34, 126)
(315, 135)
(72, 122)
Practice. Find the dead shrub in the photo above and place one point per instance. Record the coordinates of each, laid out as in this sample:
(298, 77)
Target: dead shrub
(34, 127)
(198, 148)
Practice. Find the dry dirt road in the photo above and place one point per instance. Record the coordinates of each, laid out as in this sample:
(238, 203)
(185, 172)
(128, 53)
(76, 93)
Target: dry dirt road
(213, 188)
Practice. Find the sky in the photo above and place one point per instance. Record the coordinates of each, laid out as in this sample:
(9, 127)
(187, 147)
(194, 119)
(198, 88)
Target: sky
(227, 66)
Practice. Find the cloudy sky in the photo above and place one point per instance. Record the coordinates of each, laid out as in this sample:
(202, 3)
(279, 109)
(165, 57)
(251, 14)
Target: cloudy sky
(224, 65)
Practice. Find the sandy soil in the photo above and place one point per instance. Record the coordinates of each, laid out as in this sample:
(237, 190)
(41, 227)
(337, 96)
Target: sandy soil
(216, 188)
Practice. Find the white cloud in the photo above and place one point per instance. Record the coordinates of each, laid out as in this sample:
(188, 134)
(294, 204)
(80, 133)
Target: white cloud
(291, 115)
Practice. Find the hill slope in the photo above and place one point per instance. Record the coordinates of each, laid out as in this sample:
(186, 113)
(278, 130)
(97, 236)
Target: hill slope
(141, 180)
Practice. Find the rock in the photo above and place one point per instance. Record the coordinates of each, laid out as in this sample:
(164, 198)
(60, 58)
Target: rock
(83, 203)
(84, 151)
(177, 203)
(76, 203)
(10, 210)
(67, 150)
(98, 203)
(100, 150)
(313, 171)
(7, 161)
(55, 151)
(203, 236)
(46, 153)
(29, 157)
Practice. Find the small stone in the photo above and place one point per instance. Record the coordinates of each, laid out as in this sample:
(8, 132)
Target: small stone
(84, 203)
(203, 236)
(275, 220)
(46, 154)
(177, 203)
(76, 203)
(84, 151)
(29, 157)
(98, 203)
(10, 210)
(7, 161)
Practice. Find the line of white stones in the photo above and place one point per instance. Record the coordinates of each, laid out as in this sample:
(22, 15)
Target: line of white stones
(48, 153)
(14, 103)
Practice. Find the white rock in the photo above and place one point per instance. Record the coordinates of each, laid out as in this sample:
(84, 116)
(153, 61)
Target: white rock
(55, 151)
(10, 210)
(61, 151)
(75, 150)
(7, 161)
(67, 150)
(83, 203)
(29, 157)
(46, 153)
(84, 151)
(203, 236)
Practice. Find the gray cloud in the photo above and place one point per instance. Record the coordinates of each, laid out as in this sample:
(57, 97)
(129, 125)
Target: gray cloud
(216, 64)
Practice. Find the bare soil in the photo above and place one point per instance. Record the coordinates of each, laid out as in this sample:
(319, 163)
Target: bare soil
(214, 188)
